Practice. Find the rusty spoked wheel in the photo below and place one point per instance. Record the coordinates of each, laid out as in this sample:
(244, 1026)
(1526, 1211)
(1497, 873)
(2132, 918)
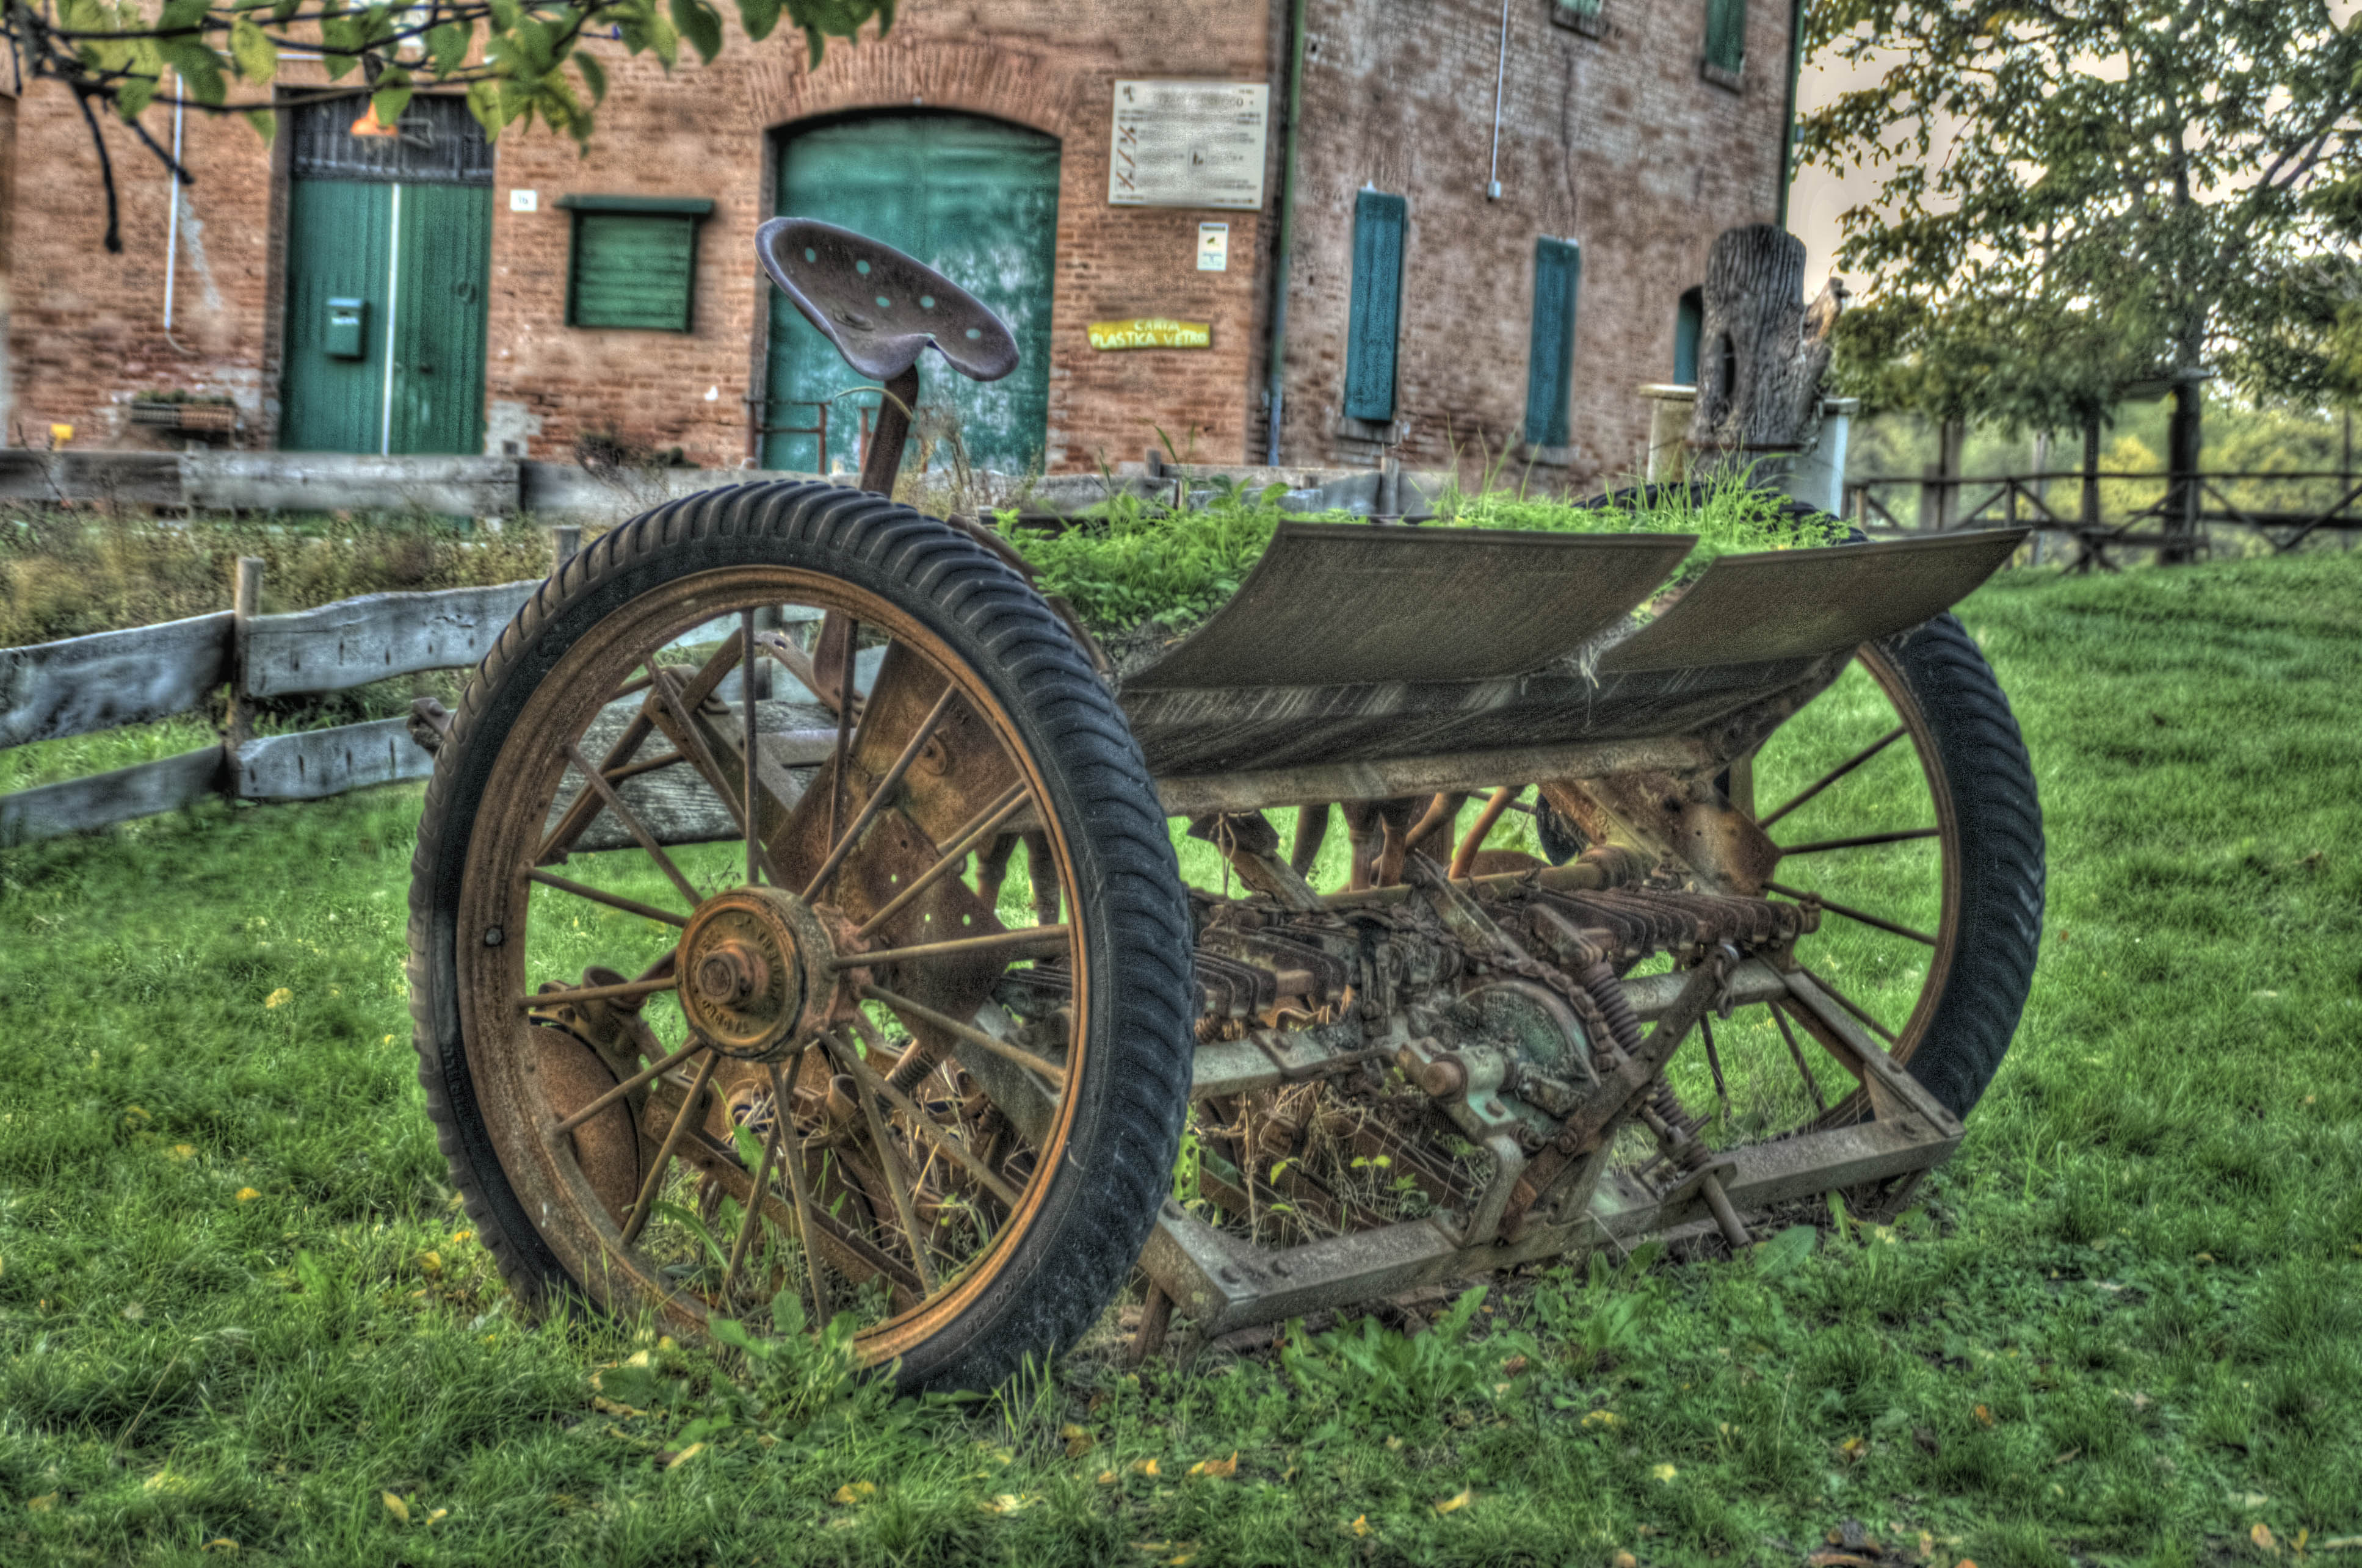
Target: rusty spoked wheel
(686, 1055)
(1905, 811)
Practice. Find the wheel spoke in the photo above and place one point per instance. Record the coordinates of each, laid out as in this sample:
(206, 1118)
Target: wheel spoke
(889, 1165)
(963, 844)
(640, 988)
(584, 808)
(925, 1125)
(632, 824)
(653, 1182)
(878, 797)
(652, 1071)
(1859, 841)
(851, 646)
(746, 750)
(1833, 774)
(1853, 1007)
(1796, 1055)
(1030, 940)
(807, 1226)
(1805, 897)
(754, 1199)
(969, 1032)
(612, 900)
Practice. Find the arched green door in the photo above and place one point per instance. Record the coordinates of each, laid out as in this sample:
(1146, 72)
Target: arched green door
(977, 200)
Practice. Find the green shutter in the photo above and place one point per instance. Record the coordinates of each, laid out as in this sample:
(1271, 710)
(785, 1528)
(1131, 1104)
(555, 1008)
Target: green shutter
(634, 268)
(1725, 35)
(1550, 356)
(1374, 323)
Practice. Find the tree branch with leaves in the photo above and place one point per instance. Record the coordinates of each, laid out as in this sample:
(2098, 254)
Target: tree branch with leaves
(517, 59)
(2080, 193)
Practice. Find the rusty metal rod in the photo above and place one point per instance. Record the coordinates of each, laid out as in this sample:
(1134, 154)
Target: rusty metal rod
(653, 1182)
(1465, 856)
(878, 797)
(967, 1031)
(1859, 841)
(889, 1163)
(925, 1125)
(1840, 771)
(1020, 943)
(651, 1071)
(991, 817)
(638, 829)
(597, 896)
(1851, 913)
(754, 1198)
(806, 1227)
(598, 993)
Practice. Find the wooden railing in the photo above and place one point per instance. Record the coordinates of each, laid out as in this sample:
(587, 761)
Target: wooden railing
(2036, 499)
(109, 679)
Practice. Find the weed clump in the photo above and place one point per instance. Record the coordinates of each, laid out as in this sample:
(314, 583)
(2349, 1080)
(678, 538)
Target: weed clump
(1131, 566)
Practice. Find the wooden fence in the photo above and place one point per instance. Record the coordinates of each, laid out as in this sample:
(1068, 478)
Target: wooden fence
(109, 679)
(2030, 499)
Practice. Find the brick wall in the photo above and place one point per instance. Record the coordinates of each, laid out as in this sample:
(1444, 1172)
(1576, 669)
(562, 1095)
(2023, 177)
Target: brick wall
(1615, 142)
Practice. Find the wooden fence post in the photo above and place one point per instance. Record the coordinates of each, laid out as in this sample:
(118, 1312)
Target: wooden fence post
(245, 604)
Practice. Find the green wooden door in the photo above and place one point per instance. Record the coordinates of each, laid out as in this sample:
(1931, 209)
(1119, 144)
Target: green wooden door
(975, 199)
(389, 262)
(442, 263)
(339, 235)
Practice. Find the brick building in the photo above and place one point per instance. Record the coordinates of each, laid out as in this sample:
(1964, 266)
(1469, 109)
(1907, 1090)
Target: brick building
(1493, 215)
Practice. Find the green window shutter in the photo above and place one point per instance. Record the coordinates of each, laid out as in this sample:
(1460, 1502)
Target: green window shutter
(1725, 35)
(1374, 323)
(634, 262)
(1550, 356)
(1689, 326)
(1583, 16)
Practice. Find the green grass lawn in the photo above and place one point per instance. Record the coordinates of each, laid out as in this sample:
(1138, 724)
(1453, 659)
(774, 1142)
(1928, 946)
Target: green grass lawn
(238, 1303)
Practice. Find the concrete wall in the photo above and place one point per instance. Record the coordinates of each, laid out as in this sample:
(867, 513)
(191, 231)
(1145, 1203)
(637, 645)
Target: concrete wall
(1616, 142)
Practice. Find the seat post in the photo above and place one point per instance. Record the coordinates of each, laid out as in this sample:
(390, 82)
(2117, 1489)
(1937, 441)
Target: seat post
(882, 463)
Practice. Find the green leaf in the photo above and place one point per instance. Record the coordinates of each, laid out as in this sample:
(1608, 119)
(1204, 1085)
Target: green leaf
(257, 56)
(730, 1332)
(788, 1312)
(700, 24)
(265, 124)
(283, 9)
(134, 95)
(179, 14)
(198, 67)
(758, 18)
(391, 96)
(484, 103)
(448, 45)
(1785, 1252)
(594, 76)
(506, 13)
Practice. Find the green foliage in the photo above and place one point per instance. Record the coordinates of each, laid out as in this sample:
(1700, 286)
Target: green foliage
(2075, 196)
(511, 55)
(1130, 563)
(1400, 1382)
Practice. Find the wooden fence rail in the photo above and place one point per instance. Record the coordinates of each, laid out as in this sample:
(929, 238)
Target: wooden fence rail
(109, 679)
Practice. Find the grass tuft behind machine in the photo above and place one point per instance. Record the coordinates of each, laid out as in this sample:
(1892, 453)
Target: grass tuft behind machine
(729, 980)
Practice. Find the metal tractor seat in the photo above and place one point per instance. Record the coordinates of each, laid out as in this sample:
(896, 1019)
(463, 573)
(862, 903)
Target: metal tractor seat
(881, 309)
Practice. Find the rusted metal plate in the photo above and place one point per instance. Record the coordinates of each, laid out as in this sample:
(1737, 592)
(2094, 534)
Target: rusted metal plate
(1336, 604)
(1790, 604)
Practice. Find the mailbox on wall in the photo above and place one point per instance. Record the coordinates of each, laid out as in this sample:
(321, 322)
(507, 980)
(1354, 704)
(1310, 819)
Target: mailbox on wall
(348, 334)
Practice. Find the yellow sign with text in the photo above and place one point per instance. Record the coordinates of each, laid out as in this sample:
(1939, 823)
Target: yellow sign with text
(1151, 332)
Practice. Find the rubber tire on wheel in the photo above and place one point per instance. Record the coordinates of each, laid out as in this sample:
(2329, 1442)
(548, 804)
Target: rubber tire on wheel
(1999, 814)
(2001, 850)
(1133, 1088)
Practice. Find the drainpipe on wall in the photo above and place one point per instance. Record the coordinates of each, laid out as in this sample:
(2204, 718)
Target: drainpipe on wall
(1275, 393)
(1788, 116)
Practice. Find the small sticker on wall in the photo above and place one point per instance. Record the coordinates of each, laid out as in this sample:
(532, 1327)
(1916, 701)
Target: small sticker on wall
(1213, 248)
(524, 201)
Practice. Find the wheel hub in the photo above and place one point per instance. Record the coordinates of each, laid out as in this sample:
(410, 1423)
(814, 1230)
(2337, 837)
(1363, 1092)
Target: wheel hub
(756, 972)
